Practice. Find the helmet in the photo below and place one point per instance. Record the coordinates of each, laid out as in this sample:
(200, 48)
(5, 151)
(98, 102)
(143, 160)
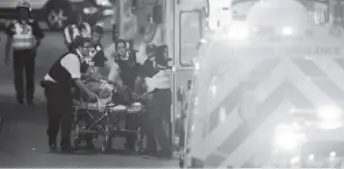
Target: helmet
(23, 4)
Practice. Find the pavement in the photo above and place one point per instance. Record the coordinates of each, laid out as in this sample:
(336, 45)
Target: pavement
(23, 142)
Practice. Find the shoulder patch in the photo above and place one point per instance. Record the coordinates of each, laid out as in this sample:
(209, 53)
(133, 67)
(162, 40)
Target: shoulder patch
(98, 48)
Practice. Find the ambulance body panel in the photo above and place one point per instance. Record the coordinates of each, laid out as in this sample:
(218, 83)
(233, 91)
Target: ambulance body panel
(269, 99)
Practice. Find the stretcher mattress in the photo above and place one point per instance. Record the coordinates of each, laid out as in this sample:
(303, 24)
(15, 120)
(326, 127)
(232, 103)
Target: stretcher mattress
(133, 108)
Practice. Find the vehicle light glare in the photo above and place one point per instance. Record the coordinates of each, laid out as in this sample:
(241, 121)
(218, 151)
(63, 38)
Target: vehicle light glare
(90, 10)
(311, 157)
(103, 3)
(287, 31)
(287, 141)
(333, 154)
(285, 138)
(238, 31)
(295, 160)
(329, 113)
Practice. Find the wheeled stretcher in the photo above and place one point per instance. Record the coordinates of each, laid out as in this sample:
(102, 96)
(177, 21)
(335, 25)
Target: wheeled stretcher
(104, 118)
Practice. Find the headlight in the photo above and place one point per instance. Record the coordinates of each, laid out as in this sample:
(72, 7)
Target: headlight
(103, 3)
(287, 31)
(238, 30)
(286, 138)
(329, 113)
(90, 10)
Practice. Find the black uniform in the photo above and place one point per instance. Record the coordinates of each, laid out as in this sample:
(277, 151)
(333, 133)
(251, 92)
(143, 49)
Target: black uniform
(24, 56)
(158, 117)
(99, 59)
(128, 75)
(60, 100)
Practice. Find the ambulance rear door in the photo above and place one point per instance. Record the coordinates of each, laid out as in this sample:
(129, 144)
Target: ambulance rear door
(188, 32)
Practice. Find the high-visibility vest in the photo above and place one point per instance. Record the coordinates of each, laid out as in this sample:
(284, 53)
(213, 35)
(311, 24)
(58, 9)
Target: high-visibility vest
(23, 37)
(72, 31)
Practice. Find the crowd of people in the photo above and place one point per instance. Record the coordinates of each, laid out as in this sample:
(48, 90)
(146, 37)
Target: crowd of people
(86, 57)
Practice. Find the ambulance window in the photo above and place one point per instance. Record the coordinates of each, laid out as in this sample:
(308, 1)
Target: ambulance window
(190, 28)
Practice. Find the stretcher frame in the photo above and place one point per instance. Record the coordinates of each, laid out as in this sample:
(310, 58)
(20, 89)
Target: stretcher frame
(103, 124)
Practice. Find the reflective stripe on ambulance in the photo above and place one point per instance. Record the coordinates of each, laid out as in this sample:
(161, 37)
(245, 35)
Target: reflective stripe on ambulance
(234, 134)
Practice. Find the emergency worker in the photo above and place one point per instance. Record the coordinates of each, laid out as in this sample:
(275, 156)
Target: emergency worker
(96, 59)
(124, 73)
(24, 36)
(78, 28)
(58, 83)
(154, 71)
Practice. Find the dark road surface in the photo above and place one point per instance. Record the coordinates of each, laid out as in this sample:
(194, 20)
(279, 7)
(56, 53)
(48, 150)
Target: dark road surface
(23, 142)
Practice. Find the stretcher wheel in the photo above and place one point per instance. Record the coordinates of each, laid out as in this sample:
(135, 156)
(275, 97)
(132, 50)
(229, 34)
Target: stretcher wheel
(181, 161)
(75, 136)
(106, 146)
(140, 141)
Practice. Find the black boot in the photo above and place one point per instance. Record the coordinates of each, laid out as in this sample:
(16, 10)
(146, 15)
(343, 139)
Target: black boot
(52, 144)
(66, 147)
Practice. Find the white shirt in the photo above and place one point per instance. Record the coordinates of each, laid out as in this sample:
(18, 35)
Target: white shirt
(71, 63)
(109, 52)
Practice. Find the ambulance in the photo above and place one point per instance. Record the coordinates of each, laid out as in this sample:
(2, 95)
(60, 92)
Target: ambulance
(182, 26)
(269, 91)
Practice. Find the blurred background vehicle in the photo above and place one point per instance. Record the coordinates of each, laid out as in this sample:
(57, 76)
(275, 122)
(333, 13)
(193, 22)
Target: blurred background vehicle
(58, 13)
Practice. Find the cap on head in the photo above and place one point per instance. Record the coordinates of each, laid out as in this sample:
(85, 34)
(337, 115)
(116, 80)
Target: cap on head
(23, 4)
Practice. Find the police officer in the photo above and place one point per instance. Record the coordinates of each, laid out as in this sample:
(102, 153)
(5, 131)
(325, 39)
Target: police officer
(124, 72)
(78, 28)
(95, 61)
(97, 57)
(63, 75)
(159, 107)
(24, 36)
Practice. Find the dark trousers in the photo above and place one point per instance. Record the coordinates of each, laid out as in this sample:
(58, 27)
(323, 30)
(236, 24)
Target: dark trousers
(60, 112)
(24, 61)
(157, 128)
(133, 122)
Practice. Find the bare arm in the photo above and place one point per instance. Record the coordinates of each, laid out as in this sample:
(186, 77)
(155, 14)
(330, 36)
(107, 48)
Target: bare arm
(81, 86)
(114, 75)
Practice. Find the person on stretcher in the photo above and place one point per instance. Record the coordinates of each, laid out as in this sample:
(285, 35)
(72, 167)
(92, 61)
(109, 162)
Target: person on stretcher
(91, 76)
(95, 61)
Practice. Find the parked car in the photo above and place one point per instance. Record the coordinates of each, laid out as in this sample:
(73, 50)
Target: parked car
(58, 13)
